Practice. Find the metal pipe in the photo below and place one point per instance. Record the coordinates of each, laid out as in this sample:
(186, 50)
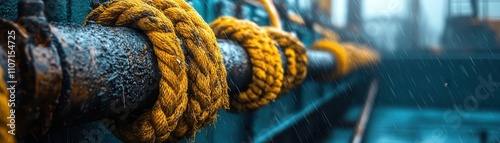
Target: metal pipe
(106, 68)
(70, 74)
(320, 64)
(238, 75)
(37, 76)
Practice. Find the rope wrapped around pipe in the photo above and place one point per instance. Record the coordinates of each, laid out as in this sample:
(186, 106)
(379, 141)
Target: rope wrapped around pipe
(296, 58)
(349, 57)
(193, 83)
(178, 112)
(267, 71)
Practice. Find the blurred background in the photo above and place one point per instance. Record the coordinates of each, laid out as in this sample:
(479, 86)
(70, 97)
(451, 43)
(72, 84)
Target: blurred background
(438, 81)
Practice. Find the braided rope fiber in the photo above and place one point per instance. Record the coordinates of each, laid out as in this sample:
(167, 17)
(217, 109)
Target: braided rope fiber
(267, 71)
(295, 55)
(349, 56)
(178, 112)
(274, 16)
(207, 76)
(341, 55)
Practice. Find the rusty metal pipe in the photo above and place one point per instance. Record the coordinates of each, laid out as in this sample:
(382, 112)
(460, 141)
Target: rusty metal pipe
(104, 52)
(103, 59)
(70, 74)
(112, 71)
(107, 68)
(237, 64)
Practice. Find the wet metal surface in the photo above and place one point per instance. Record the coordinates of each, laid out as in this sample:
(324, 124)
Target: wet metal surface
(39, 73)
(109, 72)
(238, 66)
(320, 63)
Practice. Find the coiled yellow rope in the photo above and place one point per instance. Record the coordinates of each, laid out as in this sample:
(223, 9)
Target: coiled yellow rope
(267, 71)
(190, 96)
(341, 55)
(362, 56)
(4, 112)
(172, 100)
(274, 16)
(295, 53)
(349, 56)
(178, 112)
(207, 76)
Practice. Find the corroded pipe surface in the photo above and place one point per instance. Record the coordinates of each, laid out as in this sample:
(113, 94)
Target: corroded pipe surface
(110, 72)
(71, 74)
(237, 64)
(116, 66)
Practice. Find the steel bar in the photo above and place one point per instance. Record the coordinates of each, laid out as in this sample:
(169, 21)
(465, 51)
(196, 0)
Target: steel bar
(112, 71)
(365, 113)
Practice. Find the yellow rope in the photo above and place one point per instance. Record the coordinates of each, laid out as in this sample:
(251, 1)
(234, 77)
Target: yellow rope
(207, 76)
(156, 124)
(361, 56)
(267, 71)
(349, 56)
(4, 112)
(274, 16)
(296, 58)
(175, 114)
(341, 56)
(190, 95)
